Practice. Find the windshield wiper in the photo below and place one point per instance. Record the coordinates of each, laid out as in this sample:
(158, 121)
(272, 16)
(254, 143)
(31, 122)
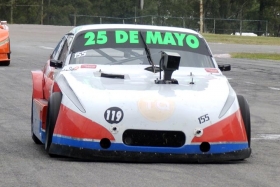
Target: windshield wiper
(126, 60)
(148, 53)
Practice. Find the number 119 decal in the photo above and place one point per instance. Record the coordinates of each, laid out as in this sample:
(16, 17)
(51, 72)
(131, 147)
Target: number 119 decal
(113, 115)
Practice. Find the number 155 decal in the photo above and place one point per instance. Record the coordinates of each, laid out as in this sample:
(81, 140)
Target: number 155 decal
(203, 118)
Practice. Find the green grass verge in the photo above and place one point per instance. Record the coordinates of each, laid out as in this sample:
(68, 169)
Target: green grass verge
(265, 56)
(232, 39)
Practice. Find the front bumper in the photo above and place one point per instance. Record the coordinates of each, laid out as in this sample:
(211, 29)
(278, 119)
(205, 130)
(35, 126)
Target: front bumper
(4, 57)
(133, 156)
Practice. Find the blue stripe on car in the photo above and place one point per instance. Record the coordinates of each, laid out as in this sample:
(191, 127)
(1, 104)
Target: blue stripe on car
(186, 149)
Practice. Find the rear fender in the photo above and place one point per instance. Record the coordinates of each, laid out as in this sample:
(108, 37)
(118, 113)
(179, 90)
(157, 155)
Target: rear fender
(37, 79)
(40, 107)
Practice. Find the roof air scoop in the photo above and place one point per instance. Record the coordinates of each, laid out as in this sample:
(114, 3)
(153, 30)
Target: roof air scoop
(169, 62)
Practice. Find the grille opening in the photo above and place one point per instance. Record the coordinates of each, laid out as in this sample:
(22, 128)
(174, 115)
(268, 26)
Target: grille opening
(154, 138)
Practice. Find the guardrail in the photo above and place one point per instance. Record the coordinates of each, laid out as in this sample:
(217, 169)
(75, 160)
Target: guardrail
(211, 25)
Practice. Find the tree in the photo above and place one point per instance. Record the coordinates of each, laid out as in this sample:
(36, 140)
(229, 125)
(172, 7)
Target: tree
(230, 15)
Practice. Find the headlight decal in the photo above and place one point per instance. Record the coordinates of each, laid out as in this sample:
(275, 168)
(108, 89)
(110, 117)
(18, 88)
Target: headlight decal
(230, 99)
(68, 91)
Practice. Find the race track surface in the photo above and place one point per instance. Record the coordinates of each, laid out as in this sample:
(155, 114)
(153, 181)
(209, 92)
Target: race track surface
(23, 163)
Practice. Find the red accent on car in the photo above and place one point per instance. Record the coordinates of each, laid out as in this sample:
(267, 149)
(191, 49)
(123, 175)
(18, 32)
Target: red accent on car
(230, 129)
(71, 124)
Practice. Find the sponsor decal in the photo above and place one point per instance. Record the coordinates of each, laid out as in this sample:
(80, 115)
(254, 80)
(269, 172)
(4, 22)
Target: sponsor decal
(92, 66)
(113, 115)
(211, 70)
(156, 109)
(71, 68)
(132, 37)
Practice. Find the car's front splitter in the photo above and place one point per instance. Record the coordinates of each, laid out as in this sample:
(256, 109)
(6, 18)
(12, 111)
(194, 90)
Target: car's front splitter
(132, 156)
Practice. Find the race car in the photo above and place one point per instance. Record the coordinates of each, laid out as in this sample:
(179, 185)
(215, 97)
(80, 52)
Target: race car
(138, 93)
(5, 52)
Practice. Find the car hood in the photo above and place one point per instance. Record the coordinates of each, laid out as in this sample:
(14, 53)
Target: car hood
(199, 91)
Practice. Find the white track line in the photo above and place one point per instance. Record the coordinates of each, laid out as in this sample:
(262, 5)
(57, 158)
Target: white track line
(44, 47)
(273, 88)
(222, 55)
(267, 137)
(250, 83)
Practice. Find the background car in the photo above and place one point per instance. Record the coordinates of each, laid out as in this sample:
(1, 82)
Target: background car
(138, 93)
(5, 52)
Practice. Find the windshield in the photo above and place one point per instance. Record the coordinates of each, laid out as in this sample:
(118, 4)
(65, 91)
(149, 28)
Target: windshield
(126, 47)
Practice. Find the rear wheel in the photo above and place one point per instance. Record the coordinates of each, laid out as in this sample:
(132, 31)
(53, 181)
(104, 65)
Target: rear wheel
(245, 112)
(52, 113)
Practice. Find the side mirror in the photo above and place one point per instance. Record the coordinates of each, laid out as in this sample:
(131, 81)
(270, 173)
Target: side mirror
(225, 67)
(56, 63)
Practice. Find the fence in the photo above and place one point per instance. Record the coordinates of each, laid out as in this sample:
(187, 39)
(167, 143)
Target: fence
(211, 25)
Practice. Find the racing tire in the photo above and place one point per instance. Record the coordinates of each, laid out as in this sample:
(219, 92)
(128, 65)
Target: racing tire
(7, 63)
(34, 137)
(245, 112)
(52, 114)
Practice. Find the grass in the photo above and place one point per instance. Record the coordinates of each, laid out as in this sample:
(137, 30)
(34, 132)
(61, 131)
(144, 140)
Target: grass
(233, 39)
(265, 56)
(249, 40)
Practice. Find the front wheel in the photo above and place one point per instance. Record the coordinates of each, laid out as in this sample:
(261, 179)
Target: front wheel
(52, 114)
(245, 112)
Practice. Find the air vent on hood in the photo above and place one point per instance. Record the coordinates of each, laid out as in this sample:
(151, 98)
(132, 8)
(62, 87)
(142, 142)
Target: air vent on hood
(112, 76)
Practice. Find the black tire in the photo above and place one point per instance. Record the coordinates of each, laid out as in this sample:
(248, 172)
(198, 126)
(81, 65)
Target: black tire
(52, 113)
(245, 112)
(7, 63)
(34, 137)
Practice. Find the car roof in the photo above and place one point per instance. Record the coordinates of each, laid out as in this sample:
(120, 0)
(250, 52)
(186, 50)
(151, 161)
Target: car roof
(129, 26)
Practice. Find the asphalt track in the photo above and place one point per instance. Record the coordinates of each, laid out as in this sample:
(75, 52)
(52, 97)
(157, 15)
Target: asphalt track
(22, 163)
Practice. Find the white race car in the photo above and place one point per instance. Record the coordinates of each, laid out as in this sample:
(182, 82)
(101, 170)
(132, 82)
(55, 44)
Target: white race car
(138, 93)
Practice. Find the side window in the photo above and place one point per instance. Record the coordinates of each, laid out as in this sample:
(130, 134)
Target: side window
(65, 48)
(56, 53)
(63, 53)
